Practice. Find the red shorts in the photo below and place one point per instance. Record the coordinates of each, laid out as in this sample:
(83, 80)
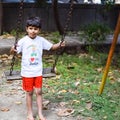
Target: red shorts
(32, 82)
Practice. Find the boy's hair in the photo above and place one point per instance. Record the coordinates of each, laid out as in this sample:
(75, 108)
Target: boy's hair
(33, 21)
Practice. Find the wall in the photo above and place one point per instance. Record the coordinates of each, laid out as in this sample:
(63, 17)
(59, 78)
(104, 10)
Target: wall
(82, 14)
(1, 17)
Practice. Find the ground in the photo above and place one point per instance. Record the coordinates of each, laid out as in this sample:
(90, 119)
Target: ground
(13, 106)
(12, 97)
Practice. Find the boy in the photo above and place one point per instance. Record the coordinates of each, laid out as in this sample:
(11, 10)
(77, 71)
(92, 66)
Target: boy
(31, 46)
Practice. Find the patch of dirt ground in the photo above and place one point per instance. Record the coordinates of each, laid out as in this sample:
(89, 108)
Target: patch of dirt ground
(13, 103)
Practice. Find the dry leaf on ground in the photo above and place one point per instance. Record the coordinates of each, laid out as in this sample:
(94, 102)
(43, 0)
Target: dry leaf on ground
(4, 109)
(65, 112)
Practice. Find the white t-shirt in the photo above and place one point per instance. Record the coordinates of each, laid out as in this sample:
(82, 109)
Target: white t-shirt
(32, 50)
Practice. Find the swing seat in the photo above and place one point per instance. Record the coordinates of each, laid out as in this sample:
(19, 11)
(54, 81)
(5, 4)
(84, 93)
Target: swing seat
(47, 73)
(15, 75)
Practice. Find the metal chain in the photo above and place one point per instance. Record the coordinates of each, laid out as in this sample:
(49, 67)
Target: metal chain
(64, 34)
(18, 28)
(17, 34)
(68, 18)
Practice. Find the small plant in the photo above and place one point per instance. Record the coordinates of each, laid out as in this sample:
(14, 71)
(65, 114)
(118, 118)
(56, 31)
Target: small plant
(55, 37)
(13, 32)
(96, 32)
(78, 83)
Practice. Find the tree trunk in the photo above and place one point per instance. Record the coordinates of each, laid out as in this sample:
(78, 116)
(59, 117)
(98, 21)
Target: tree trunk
(1, 15)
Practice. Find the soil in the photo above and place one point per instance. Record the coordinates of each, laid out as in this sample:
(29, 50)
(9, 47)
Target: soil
(13, 102)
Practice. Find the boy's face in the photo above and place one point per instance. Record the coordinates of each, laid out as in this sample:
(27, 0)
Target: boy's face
(32, 31)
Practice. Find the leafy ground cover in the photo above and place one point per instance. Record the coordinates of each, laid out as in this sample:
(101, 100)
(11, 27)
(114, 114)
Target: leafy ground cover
(77, 85)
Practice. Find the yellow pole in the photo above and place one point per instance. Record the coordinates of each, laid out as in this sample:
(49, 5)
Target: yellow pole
(115, 37)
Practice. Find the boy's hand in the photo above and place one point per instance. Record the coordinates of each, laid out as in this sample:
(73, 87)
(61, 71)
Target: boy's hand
(62, 44)
(58, 45)
(13, 50)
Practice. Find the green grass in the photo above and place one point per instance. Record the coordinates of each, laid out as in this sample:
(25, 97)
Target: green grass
(78, 82)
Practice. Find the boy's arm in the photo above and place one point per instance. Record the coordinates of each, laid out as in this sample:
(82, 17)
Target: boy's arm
(58, 45)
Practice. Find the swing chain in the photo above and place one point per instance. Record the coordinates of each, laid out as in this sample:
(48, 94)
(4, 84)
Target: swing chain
(17, 34)
(19, 20)
(18, 29)
(64, 33)
(68, 18)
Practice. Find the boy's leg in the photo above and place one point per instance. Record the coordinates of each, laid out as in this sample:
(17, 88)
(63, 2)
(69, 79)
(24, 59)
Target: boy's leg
(38, 91)
(28, 87)
(39, 103)
(29, 105)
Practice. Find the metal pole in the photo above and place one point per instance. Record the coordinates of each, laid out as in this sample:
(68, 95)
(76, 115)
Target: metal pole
(115, 37)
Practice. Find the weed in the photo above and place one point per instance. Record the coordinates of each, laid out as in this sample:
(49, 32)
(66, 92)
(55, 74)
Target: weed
(78, 86)
(95, 33)
(77, 83)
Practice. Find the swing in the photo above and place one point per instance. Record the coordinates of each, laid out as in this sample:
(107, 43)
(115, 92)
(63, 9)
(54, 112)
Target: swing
(47, 72)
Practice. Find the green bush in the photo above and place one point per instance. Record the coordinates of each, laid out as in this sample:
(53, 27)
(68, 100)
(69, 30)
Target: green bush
(96, 32)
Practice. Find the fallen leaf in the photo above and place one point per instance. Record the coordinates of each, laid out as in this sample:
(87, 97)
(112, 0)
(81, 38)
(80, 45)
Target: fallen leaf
(62, 91)
(9, 82)
(105, 117)
(62, 104)
(45, 103)
(89, 118)
(77, 83)
(118, 80)
(89, 105)
(65, 112)
(58, 76)
(70, 67)
(99, 69)
(18, 102)
(76, 101)
(5, 109)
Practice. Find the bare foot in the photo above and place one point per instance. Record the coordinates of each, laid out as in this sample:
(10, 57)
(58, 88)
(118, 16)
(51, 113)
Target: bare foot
(41, 117)
(30, 118)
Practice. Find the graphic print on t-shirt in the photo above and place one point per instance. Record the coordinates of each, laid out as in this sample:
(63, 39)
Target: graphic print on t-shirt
(33, 55)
